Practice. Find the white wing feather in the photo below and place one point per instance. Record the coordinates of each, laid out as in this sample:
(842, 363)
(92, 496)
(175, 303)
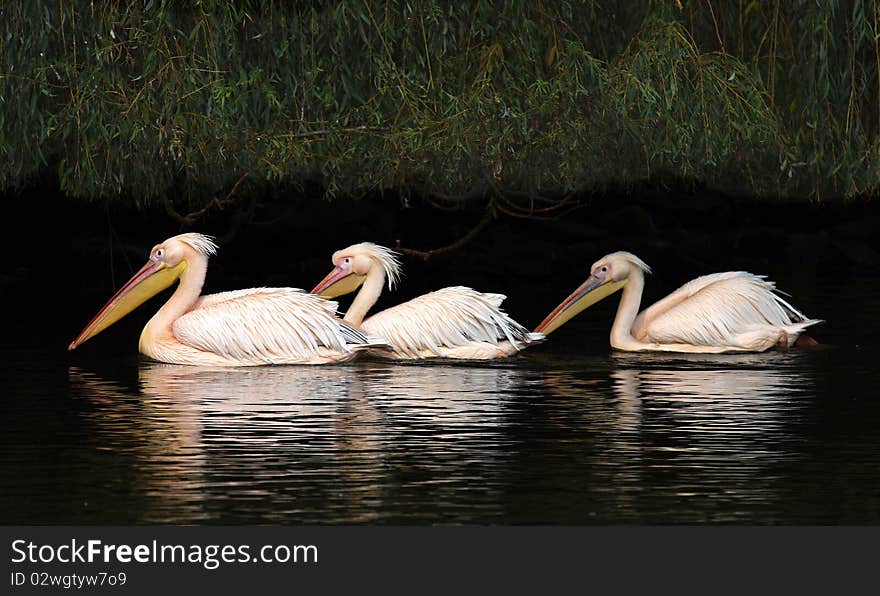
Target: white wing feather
(448, 318)
(270, 325)
(711, 310)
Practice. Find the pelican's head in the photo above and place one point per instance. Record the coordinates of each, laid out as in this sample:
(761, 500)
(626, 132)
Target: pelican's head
(166, 264)
(607, 275)
(351, 266)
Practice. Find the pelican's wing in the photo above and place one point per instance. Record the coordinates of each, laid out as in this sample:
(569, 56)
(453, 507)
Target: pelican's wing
(265, 324)
(448, 318)
(709, 310)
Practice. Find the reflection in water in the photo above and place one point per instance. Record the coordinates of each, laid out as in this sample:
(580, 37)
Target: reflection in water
(263, 430)
(708, 397)
(692, 427)
(293, 441)
(580, 436)
(587, 439)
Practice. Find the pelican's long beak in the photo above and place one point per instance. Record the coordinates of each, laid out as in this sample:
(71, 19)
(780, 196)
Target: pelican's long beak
(152, 278)
(338, 283)
(588, 293)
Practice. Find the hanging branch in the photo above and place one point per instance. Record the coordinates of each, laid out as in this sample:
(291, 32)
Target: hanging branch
(508, 202)
(553, 211)
(189, 219)
(427, 254)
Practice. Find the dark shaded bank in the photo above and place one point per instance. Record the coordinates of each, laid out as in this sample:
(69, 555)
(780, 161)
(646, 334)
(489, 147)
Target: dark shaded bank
(64, 258)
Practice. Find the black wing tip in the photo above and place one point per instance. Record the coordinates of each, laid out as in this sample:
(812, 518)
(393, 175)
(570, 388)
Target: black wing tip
(353, 335)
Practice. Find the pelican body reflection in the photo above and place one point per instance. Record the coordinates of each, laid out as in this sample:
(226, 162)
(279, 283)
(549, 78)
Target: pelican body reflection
(290, 442)
(689, 438)
(692, 430)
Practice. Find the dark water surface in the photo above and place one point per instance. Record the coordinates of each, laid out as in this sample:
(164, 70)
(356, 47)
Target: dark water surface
(569, 432)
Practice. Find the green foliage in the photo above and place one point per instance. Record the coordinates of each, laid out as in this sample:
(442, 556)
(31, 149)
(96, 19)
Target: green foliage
(144, 100)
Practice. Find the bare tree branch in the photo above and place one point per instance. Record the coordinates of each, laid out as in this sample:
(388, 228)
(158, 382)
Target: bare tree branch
(427, 254)
(189, 219)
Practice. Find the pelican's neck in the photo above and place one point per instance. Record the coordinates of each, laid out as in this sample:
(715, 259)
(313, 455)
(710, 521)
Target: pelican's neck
(189, 288)
(366, 297)
(628, 309)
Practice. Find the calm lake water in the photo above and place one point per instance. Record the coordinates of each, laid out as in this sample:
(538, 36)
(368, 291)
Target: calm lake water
(568, 433)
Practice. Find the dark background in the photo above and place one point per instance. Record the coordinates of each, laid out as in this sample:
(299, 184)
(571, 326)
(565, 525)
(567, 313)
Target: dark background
(64, 258)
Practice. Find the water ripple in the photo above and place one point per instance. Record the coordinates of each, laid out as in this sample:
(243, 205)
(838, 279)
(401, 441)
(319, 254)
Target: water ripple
(545, 438)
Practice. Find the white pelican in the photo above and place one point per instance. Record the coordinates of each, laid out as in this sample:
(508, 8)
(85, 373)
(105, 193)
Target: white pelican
(239, 328)
(722, 312)
(454, 322)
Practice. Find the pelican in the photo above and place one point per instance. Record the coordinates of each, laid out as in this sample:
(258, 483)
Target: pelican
(455, 322)
(733, 311)
(238, 328)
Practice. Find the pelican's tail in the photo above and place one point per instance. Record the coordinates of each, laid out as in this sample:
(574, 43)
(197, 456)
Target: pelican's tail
(534, 338)
(352, 334)
(372, 343)
(511, 346)
(793, 331)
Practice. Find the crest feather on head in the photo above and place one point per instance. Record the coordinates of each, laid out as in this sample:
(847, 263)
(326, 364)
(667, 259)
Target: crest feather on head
(626, 256)
(200, 243)
(387, 259)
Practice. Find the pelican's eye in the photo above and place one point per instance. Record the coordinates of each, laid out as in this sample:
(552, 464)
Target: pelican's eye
(347, 261)
(159, 253)
(604, 269)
